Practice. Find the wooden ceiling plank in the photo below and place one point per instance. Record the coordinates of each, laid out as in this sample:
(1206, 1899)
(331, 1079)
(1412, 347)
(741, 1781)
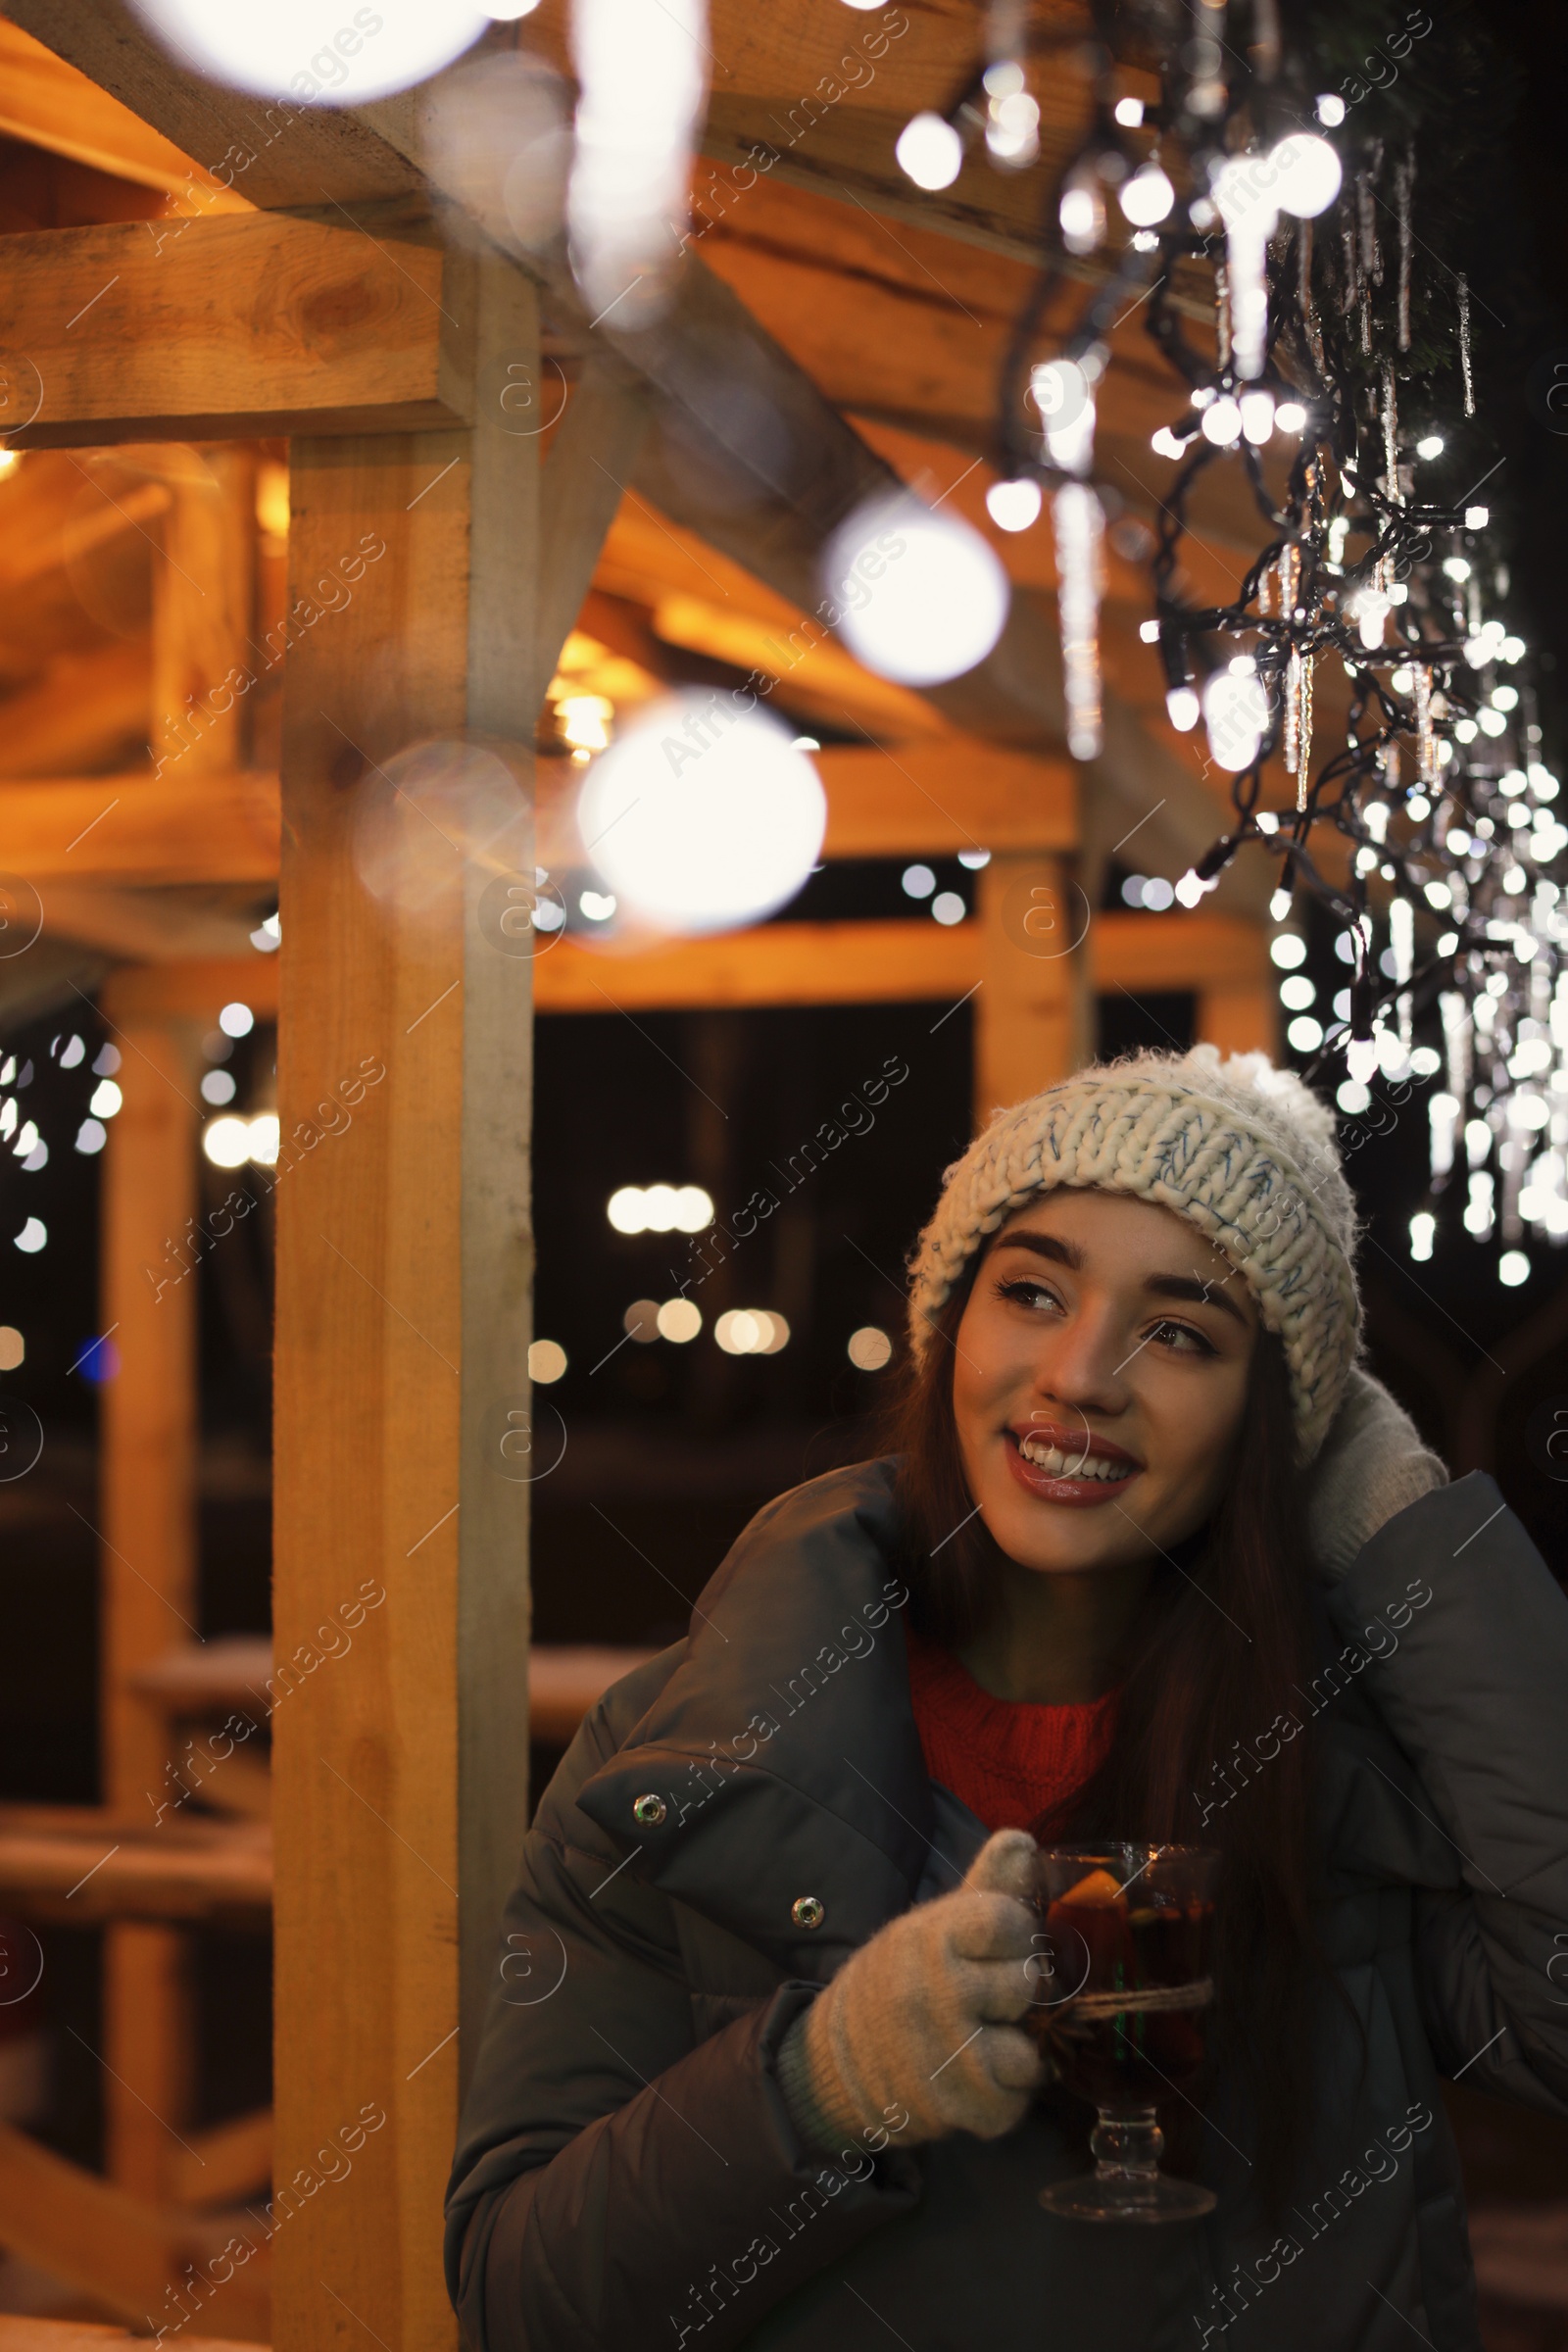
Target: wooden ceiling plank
(279, 154)
(49, 104)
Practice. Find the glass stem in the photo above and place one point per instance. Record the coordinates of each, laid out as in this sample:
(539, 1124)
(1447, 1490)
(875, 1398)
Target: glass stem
(1126, 2147)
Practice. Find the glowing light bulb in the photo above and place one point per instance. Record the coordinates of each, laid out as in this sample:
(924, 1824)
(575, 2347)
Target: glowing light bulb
(1291, 416)
(1308, 175)
(314, 52)
(1183, 708)
(1236, 711)
(642, 81)
(1371, 617)
(922, 597)
(701, 818)
(1330, 110)
(1244, 191)
(1082, 216)
(1147, 197)
(1222, 421)
(1257, 416)
(1013, 505)
(1062, 393)
(1430, 445)
(929, 152)
(1361, 1057)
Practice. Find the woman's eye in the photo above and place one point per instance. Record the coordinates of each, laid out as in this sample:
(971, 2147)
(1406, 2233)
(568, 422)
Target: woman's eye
(1183, 1338)
(1028, 1293)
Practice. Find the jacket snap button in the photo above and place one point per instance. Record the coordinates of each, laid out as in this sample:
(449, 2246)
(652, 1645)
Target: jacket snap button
(649, 1810)
(808, 1912)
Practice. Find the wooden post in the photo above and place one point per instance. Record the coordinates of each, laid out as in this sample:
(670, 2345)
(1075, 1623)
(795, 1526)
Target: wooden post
(202, 619)
(1031, 1010)
(149, 1562)
(404, 1264)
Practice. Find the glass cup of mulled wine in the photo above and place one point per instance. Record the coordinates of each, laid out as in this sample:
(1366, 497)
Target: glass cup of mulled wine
(1123, 1961)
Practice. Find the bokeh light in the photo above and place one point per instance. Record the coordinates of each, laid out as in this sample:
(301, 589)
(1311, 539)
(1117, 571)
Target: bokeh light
(921, 596)
(314, 52)
(702, 815)
(428, 812)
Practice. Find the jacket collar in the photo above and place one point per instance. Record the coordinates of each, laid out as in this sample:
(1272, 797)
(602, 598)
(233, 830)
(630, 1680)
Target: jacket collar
(780, 1767)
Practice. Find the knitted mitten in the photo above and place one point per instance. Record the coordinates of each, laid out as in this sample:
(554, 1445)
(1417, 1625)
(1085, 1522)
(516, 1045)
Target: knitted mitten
(919, 2021)
(1372, 1465)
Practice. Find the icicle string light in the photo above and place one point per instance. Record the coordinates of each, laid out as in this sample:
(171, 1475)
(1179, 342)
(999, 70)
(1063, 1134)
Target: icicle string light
(1464, 347)
(1326, 342)
(1078, 521)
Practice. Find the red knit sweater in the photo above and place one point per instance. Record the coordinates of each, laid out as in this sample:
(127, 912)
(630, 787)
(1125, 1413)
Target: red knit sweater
(1009, 1760)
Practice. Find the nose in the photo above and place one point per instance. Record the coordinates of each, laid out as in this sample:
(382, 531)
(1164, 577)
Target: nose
(1081, 1363)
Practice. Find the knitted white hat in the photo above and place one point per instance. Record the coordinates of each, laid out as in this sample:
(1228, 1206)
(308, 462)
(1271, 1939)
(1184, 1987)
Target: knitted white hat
(1245, 1151)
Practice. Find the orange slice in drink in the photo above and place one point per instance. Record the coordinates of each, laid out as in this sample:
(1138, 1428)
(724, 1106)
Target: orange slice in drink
(1098, 1889)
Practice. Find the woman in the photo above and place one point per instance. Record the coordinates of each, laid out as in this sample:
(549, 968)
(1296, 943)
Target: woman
(1153, 1560)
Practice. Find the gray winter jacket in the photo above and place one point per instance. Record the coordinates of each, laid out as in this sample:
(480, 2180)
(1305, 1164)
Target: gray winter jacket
(628, 2177)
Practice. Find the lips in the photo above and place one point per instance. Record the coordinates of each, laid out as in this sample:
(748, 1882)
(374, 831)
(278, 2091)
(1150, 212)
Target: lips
(1080, 1470)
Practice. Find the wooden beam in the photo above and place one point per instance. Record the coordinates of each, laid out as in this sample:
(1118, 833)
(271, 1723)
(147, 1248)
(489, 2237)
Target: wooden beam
(934, 799)
(218, 1678)
(810, 667)
(194, 990)
(276, 155)
(892, 963)
(181, 1869)
(1177, 951)
(181, 828)
(928, 797)
(204, 618)
(122, 2251)
(581, 488)
(1031, 1008)
(241, 326)
(228, 2162)
(156, 927)
(149, 1556)
(86, 710)
(29, 2334)
(778, 963)
(51, 105)
(566, 1679)
(404, 1262)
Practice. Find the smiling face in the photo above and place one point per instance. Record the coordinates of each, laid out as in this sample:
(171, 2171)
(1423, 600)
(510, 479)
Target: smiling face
(1100, 1379)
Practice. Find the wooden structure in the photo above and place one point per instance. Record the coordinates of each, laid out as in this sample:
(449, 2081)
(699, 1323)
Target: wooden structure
(421, 571)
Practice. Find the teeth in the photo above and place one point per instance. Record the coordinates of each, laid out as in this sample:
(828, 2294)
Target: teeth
(1056, 1464)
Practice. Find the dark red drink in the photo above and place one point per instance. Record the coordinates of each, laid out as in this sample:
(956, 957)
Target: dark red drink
(1124, 1959)
(1137, 2053)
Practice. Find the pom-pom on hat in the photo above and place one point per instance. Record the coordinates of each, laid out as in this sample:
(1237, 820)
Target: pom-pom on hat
(1244, 1150)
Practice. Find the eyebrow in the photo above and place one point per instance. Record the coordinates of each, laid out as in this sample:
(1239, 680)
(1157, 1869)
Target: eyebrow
(1187, 1287)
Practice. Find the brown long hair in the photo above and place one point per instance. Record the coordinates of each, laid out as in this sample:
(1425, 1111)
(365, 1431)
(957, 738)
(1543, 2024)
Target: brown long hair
(1215, 1657)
